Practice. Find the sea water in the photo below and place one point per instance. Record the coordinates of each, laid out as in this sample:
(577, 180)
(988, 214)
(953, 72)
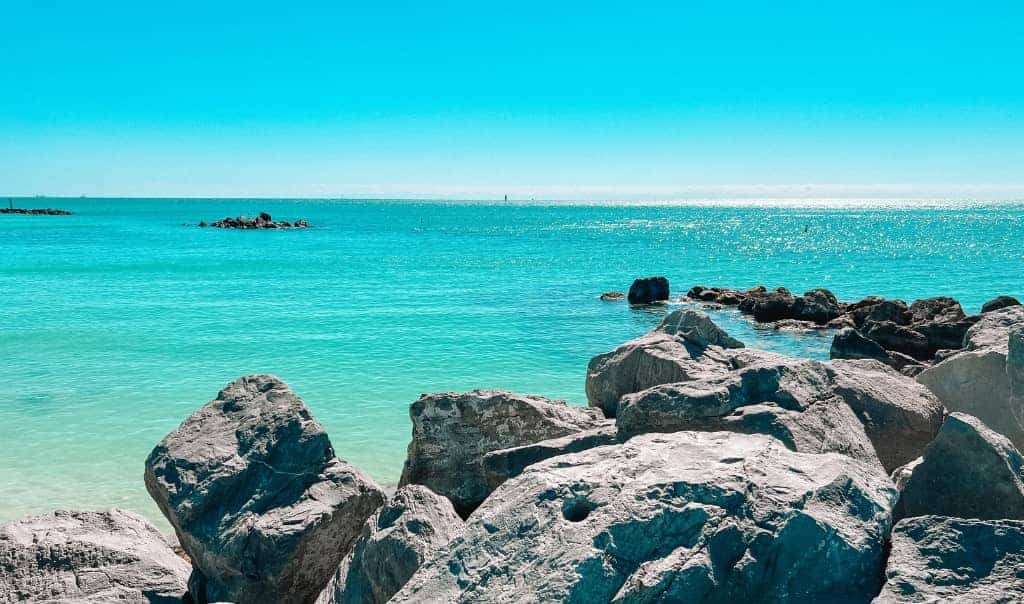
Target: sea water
(120, 320)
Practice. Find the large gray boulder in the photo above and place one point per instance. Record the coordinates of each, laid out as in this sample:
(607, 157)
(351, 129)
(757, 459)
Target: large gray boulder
(257, 497)
(686, 345)
(395, 541)
(503, 464)
(968, 471)
(939, 559)
(89, 557)
(975, 381)
(451, 433)
(789, 399)
(681, 517)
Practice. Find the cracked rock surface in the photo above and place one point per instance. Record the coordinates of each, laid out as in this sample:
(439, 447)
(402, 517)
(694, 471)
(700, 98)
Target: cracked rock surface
(257, 497)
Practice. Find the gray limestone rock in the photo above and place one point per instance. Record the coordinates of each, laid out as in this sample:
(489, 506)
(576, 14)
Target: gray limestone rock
(257, 497)
(682, 517)
(451, 433)
(503, 464)
(89, 557)
(940, 559)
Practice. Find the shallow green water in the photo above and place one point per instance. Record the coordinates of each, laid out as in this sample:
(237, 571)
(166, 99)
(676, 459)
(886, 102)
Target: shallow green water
(119, 320)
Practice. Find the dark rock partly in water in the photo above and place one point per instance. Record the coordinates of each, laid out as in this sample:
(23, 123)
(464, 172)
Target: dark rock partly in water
(504, 464)
(851, 344)
(976, 380)
(257, 497)
(35, 211)
(394, 542)
(451, 433)
(900, 339)
(940, 559)
(968, 471)
(681, 517)
(998, 303)
(648, 290)
(613, 296)
(89, 557)
(686, 345)
(263, 221)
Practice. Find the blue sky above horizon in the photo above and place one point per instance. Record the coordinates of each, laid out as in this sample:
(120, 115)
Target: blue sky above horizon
(550, 100)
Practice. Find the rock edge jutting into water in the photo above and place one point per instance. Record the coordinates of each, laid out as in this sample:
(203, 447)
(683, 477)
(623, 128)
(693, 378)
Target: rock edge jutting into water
(35, 211)
(263, 221)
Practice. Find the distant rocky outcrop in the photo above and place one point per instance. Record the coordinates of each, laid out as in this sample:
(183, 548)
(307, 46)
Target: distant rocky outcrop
(682, 517)
(613, 296)
(976, 380)
(940, 559)
(451, 433)
(648, 290)
(998, 303)
(394, 542)
(35, 211)
(968, 471)
(89, 558)
(257, 497)
(263, 221)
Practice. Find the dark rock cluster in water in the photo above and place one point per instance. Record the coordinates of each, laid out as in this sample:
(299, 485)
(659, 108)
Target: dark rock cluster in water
(909, 338)
(35, 211)
(263, 221)
(703, 471)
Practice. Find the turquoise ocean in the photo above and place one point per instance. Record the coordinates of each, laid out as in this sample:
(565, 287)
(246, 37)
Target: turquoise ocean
(120, 320)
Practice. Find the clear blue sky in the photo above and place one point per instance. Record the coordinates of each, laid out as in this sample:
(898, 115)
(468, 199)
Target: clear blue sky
(545, 99)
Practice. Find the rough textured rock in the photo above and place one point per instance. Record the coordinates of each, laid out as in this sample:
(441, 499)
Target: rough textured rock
(899, 415)
(451, 433)
(89, 557)
(899, 338)
(648, 290)
(613, 296)
(504, 464)
(975, 381)
(968, 471)
(940, 309)
(851, 344)
(662, 356)
(999, 302)
(395, 541)
(874, 309)
(789, 399)
(682, 517)
(938, 559)
(263, 221)
(256, 496)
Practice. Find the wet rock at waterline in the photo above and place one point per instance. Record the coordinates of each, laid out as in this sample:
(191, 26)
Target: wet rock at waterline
(648, 290)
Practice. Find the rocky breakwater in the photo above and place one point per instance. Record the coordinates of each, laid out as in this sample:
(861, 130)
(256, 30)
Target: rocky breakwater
(263, 221)
(35, 211)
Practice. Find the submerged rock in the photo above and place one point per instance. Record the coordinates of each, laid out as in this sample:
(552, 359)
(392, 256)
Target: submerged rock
(89, 557)
(613, 296)
(999, 302)
(686, 345)
(968, 471)
(257, 497)
(682, 517)
(394, 542)
(939, 559)
(976, 380)
(451, 433)
(648, 290)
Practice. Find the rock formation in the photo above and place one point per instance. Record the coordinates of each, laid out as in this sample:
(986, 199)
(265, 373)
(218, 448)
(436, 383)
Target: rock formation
(998, 303)
(503, 464)
(939, 559)
(89, 557)
(451, 433)
(976, 381)
(263, 221)
(648, 290)
(257, 498)
(968, 471)
(682, 517)
(413, 525)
